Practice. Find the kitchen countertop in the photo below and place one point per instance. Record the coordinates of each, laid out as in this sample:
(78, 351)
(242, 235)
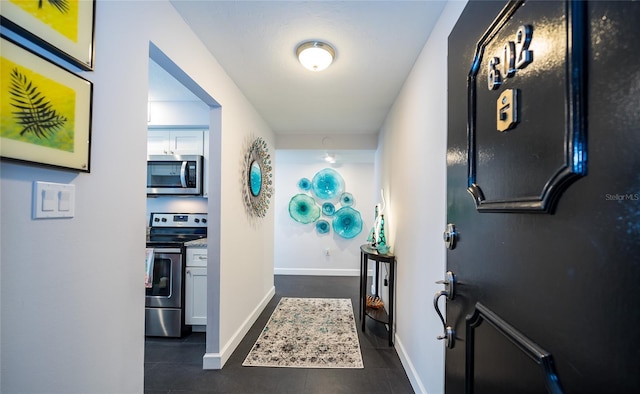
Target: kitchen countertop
(196, 242)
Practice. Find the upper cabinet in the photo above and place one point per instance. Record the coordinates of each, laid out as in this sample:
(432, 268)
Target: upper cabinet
(175, 142)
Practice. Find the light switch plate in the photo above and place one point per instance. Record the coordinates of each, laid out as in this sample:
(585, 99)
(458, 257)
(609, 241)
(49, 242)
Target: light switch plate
(53, 200)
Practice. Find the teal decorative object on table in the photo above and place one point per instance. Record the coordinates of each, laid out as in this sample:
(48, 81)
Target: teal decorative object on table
(303, 209)
(327, 184)
(382, 246)
(347, 222)
(371, 237)
(373, 233)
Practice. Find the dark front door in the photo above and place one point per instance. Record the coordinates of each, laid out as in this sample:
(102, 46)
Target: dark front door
(544, 192)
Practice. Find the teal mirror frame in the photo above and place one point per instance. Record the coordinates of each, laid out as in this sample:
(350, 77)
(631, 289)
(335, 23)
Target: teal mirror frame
(257, 178)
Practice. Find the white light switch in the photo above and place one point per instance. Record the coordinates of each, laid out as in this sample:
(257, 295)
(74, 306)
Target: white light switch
(49, 200)
(64, 201)
(53, 200)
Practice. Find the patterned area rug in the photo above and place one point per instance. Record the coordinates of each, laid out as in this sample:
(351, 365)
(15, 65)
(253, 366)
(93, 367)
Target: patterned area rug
(308, 333)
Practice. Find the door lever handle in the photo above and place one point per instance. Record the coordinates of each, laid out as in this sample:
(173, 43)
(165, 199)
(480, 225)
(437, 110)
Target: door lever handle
(449, 332)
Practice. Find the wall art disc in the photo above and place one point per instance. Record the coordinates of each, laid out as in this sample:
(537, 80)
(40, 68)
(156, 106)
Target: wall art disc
(322, 226)
(328, 209)
(327, 184)
(303, 209)
(346, 199)
(347, 222)
(304, 184)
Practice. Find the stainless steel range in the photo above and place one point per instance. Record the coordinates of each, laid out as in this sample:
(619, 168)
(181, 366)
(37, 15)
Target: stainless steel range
(168, 232)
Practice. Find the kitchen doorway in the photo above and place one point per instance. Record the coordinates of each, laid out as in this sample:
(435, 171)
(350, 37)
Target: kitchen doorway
(168, 83)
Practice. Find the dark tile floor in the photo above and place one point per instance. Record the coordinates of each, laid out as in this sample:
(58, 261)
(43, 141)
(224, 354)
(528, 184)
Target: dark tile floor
(175, 365)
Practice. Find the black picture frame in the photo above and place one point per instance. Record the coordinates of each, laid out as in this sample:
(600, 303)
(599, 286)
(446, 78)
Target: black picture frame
(49, 110)
(63, 28)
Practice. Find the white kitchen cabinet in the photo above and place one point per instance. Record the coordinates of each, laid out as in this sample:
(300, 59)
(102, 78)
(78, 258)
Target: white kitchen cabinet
(197, 256)
(175, 142)
(196, 286)
(196, 296)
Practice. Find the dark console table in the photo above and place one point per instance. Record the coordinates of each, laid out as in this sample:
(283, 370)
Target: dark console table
(380, 315)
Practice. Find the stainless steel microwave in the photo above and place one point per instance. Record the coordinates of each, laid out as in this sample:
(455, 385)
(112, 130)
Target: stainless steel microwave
(174, 175)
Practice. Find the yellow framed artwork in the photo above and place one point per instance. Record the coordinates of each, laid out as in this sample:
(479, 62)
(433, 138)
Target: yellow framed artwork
(45, 110)
(62, 27)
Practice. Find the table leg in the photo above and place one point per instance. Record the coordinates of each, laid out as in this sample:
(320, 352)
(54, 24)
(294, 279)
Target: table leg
(392, 281)
(377, 279)
(363, 288)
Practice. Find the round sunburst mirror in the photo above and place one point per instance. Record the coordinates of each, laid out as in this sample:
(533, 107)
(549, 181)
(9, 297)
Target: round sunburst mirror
(257, 178)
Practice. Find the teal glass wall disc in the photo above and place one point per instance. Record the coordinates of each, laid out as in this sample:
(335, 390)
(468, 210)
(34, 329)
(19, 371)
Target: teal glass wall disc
(322, 226)
(303, 209)
(328, 209)
(327, 184)
(347, 222)
(346, 199)
(304, 184)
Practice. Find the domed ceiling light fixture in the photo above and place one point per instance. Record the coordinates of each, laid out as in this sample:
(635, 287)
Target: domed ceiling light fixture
(315, 55)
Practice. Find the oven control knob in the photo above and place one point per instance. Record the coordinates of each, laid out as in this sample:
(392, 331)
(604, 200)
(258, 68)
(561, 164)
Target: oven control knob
(164, 220)
(196, 220)
(204, 220)
(156, 220)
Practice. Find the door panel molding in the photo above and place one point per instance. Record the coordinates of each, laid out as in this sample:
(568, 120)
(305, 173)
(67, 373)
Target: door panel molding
(575, 140)
(542, 358)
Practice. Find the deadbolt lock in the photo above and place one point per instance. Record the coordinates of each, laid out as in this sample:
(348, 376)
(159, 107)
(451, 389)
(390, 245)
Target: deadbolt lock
(450, 236)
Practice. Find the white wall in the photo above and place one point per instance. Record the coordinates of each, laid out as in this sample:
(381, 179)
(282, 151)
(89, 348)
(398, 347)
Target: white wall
(178, 113)
(72, 311)
(299, 249)
(411, 164)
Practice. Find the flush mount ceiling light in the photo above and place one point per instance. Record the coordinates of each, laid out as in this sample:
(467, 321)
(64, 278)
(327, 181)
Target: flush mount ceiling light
(315, 55)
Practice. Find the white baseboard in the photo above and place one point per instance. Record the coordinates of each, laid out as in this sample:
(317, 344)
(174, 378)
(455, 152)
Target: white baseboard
(412, 374)
(316, 271)
(212, 361)
(217, 360)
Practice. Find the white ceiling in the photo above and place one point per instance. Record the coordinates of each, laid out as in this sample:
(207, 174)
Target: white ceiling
(376, 43)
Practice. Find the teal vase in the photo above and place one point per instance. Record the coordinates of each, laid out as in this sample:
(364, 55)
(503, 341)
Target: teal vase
(382, 246)
(372, 234)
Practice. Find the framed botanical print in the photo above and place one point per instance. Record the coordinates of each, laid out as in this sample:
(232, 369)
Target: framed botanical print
(45, 110)
(62, 27)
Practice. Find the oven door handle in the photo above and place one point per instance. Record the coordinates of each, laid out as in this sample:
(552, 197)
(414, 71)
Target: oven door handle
(166, 250)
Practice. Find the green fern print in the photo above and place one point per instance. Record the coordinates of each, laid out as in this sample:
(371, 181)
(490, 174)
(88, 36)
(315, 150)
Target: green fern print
(34, 112)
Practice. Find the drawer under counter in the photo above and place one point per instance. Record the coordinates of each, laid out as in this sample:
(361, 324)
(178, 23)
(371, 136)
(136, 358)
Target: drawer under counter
(196, 256)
